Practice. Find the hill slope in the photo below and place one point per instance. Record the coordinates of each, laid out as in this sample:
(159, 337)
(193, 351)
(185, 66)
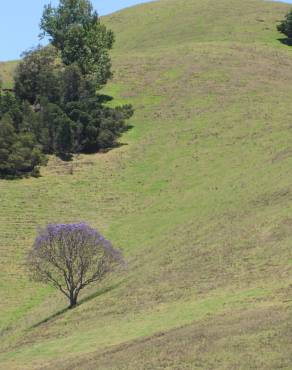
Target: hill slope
(199, 199)
(6, 73)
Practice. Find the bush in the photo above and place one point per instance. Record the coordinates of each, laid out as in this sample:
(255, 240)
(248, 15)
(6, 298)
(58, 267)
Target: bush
(19, 153)
(285, 26)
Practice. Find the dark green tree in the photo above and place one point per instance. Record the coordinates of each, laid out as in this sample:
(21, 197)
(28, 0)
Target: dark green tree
(19, 154)
(71, 83)
(64, 143)
(285, 26)
(57, 130)
(9, 104)
(97, 126)
(38, 75)
(7, 140)
(56, 108)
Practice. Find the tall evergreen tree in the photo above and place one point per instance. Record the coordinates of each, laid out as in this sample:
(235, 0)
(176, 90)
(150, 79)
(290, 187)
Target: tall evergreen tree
(19, 154)
(75, 29)
(56, 108)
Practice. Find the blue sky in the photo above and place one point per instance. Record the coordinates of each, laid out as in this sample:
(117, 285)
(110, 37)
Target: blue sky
(19, 22)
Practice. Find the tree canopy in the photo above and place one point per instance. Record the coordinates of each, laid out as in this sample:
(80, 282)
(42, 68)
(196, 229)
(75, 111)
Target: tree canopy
(75, 29)
(20, 154)
(70, 257)
(56, 103)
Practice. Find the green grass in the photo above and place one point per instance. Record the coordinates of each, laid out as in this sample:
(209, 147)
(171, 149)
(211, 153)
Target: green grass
(199, 199)
(6, 73)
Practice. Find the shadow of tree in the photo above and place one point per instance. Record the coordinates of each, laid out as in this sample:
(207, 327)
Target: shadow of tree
(102, 98)
(65, 157)
(98, 293)
(49, 318)
(286, 41)
(88, 298)
(69, 157)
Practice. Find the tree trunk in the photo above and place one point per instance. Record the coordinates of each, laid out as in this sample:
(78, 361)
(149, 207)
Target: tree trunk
(73, 300)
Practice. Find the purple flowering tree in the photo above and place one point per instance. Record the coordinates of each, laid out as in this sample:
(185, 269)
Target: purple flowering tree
(70, 257)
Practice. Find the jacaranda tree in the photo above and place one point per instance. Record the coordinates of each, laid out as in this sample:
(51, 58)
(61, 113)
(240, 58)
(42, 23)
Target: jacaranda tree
(70, 257)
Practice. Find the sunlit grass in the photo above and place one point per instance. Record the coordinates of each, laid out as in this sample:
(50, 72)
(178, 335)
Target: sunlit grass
(198, 198)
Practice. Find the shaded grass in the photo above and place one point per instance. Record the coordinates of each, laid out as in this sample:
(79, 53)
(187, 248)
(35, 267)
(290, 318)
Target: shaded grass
(85, 299)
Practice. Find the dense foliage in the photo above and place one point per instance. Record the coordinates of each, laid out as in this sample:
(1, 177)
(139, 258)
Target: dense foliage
(20, 153)
(55, 108)
(285, 26)
(70, 257)
(74, 28)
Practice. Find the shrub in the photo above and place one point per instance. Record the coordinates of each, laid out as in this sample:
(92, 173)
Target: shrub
(285, 26)
(19, 153)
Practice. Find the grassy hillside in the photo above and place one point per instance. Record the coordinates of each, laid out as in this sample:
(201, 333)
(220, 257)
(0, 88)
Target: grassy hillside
(6, 73)
(199, 198)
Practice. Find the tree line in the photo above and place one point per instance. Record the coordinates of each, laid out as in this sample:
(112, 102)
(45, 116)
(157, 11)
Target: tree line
(55, 107)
